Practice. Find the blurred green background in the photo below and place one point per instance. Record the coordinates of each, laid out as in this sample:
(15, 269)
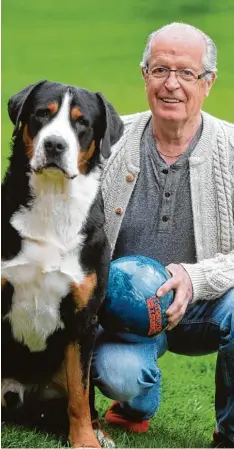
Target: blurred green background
(98, 44)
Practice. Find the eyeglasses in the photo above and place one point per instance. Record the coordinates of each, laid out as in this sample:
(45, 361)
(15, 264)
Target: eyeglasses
(183, 75)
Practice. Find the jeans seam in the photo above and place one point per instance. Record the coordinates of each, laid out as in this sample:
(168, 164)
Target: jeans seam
(155, 353)
(204, 322)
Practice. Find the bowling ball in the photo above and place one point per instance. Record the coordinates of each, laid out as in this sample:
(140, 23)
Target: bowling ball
(131, 304)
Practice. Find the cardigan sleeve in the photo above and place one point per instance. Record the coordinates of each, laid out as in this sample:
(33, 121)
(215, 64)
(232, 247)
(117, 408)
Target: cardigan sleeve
(211, 278)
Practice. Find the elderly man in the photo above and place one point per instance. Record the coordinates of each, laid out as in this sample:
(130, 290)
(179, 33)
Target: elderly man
(168, 192)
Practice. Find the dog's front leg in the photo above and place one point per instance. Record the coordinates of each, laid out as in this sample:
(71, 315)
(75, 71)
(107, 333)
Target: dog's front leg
(81, 432)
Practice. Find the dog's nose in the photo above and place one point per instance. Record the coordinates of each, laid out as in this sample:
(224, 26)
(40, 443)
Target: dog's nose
(12, 399)
(54, 145)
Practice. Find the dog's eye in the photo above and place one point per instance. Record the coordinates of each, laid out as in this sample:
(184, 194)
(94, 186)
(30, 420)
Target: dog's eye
(42, 113)
(82, 121)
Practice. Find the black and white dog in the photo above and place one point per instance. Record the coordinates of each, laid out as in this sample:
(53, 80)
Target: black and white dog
(55, 255)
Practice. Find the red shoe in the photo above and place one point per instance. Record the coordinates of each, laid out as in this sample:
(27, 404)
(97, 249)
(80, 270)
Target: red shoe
(114, 416)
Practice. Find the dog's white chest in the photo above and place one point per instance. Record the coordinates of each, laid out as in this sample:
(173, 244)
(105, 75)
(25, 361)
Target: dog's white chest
(48, 263)
(41, 276)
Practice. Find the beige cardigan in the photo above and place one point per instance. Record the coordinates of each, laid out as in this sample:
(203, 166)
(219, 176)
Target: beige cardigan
(212, 192)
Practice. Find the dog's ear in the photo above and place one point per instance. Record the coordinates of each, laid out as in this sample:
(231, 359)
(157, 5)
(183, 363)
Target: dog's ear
(113, 126)
(17, 104)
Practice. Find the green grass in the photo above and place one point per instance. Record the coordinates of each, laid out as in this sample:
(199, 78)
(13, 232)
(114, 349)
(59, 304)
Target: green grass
(98, 45)
(185, 418)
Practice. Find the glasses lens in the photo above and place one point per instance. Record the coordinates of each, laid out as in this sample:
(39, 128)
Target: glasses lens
(160, 72)
(187, 76)
(183, 75)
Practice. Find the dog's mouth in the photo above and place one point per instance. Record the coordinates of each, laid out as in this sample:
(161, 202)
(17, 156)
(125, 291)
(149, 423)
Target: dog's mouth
(53, 168)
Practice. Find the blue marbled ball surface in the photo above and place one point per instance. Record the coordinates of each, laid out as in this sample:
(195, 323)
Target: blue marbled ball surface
(131, 304)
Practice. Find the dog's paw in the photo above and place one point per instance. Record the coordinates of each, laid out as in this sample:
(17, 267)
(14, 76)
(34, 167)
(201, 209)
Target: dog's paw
(12, 393)
(103, 437)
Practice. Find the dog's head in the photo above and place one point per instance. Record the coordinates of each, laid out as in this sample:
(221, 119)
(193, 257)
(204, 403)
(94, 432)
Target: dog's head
(64, 127)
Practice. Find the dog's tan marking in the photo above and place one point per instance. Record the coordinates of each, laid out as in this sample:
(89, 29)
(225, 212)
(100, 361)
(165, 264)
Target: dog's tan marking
(53, 108)
(3, 282)
(28, 142)
(76, 113)
(84, 156)
(60, 380)
(83, 292)
(81, 432)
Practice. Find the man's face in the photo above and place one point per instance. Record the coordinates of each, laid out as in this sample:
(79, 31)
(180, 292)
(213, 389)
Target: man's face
(176, 50)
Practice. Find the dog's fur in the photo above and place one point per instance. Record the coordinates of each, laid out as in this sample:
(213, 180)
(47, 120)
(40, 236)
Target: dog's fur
(55, 255)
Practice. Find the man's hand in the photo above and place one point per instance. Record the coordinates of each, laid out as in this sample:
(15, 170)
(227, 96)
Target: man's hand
(179, 282)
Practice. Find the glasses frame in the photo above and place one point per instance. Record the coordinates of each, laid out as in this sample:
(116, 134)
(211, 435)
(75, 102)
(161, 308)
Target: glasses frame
(177, 70)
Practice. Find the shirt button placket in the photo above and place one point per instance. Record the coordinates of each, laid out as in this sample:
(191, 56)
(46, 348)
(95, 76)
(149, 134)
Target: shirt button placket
(166, 204)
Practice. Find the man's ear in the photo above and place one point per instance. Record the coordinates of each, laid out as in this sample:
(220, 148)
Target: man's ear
(17, 104)
(113, 127)
(209, 83)
(143, 72)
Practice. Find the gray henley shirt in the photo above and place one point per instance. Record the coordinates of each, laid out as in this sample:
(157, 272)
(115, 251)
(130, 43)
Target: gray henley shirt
(158, 222)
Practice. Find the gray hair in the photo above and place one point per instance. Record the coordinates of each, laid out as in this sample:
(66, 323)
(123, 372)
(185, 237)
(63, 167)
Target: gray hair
(209, 58)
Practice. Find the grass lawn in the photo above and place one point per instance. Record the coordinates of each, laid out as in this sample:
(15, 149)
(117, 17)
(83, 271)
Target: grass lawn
(185, 418)
(98, 45)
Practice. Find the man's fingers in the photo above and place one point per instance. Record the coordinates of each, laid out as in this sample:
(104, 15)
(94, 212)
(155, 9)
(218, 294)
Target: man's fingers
(174, 319)
(180, 283)
(166, 287)
(176, 315)
(177, 309)
(176, 306)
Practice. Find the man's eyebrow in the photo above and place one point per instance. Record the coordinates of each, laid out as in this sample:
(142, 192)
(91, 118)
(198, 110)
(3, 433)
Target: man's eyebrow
(188, 65)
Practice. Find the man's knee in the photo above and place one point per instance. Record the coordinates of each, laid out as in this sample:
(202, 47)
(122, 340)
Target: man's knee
(122, 378)
(116, 377)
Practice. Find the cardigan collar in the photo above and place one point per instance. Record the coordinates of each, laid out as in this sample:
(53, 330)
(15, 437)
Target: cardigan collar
(201, 152)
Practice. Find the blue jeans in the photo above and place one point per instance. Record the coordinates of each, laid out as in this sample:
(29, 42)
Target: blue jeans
(124, 366)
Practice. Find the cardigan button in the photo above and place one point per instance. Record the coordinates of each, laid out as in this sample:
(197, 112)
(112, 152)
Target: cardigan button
(130, 177)
(118, 210)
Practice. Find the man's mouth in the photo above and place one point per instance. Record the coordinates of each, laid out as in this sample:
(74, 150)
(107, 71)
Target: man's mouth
(170, 100)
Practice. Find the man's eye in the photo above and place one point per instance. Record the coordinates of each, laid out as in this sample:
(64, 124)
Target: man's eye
(159, 70)
(187, 72)
(42, 113)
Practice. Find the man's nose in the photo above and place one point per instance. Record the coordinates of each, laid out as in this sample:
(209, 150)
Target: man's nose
(172, 82)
